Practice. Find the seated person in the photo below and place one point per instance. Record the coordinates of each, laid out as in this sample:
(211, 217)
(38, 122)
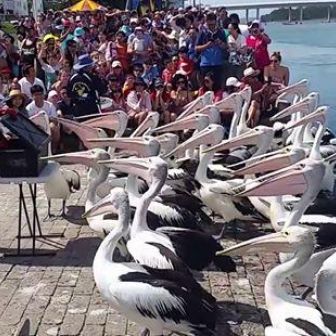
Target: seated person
(138, 102)
(275, 72)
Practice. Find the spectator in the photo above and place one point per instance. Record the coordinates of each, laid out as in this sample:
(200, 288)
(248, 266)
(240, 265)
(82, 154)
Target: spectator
(150, 73)
(223, 19)
(138, 102)
(258, 41)
(117, 71)
(118, 100)
(209, 85)
(139, 47)
(53, 97)
(29, 80)
(169, 71)
(211, 45)
(39, 104)
(17, 101)
(65, 107)
(237, 48)
(181, 94)
(275, 72)
(128, 85)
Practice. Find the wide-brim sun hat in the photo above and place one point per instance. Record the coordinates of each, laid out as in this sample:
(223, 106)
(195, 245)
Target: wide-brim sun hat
(84, 61)
(15, 93)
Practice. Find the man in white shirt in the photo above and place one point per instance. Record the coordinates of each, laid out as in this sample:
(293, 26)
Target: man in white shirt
(29, 80)
(38, 105)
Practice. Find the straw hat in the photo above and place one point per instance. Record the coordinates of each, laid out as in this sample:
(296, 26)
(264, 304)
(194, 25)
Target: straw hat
(16, 93)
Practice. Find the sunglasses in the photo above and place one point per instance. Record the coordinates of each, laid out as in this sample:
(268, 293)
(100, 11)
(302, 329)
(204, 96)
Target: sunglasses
(181, 82)
(274, 61)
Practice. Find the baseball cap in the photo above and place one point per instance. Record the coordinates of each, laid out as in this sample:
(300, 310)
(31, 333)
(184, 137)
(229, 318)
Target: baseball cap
(233, 81)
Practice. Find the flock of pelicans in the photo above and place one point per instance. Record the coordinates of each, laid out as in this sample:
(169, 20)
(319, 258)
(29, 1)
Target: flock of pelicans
(149, 194)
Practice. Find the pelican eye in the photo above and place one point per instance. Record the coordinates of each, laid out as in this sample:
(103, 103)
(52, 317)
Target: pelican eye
(286, 233)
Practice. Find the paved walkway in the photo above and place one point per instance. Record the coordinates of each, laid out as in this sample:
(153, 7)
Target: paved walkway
(59, 296)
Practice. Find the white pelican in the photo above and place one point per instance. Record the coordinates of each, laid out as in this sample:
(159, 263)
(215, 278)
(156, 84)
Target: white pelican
(62, 184)
(163, 301)
(160, 248)
(289, 316)
(147, 126)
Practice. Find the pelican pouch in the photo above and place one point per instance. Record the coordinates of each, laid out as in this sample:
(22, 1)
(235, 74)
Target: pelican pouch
(21, 157)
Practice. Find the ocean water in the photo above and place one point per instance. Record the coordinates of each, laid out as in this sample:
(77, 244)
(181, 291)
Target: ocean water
(309, 50)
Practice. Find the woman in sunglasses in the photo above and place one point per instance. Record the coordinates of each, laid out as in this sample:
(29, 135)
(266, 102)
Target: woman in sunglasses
(181, 93)
(276, 72)
(209, 84)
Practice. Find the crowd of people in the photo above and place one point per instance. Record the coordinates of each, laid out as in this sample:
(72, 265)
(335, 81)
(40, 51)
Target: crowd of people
(74, 64)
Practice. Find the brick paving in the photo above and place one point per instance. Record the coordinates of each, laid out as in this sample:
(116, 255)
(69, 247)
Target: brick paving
(59, 296)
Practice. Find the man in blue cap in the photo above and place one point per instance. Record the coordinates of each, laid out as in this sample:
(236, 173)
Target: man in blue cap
(85, 88)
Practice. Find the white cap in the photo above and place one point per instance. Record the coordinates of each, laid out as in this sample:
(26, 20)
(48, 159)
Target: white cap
(133, 20)
(233, 81)
(260, 24)
(180, 9)
(250, 72)
(52, 94)
(116, 64)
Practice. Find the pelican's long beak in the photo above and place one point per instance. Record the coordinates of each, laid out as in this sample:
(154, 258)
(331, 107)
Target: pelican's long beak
(168, 141)
(191, 122)
(302, 106)
(81, 130)
(251, 137)
(210, 135)
(317, 116)
(102, 207)
(87, 158)
(274, 242)
(275, 162)
(151, 121)
(142, 147)
(111, 120)
(133, 166)
(290, 181)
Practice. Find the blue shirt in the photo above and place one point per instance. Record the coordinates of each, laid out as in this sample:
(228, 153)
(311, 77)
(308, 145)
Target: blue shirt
(214, 55)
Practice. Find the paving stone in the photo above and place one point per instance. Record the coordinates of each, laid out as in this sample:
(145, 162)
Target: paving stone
(72, 325)
(95, 330)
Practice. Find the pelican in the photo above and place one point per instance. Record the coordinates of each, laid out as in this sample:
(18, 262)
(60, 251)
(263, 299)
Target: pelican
(64, 182)
(147, 126)
(162, 301)
(288, 314)
(160, 248)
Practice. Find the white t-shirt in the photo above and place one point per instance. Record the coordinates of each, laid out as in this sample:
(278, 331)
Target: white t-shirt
(26, 86)
(47, 107)
(239, 43)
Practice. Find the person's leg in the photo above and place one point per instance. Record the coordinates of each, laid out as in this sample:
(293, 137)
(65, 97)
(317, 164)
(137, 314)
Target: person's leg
(55, 136)
(253, 114)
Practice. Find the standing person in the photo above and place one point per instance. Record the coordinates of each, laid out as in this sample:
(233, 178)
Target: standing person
(85, 88)
(275, 72)
(237, 48)
(29, 80)
(212, 47)
(258, 41)
(223, 19)
(39, 104)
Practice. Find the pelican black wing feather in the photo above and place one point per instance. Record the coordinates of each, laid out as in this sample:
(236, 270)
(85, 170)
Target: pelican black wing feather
(245, 207)
(310, 328)
(196, 249)
(72, 178)
(199, 307)
(177, 263)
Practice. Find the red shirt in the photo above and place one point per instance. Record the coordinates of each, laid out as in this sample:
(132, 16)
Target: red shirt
(186, 65)
(218, 95)
(259, 45)
(167, 76)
